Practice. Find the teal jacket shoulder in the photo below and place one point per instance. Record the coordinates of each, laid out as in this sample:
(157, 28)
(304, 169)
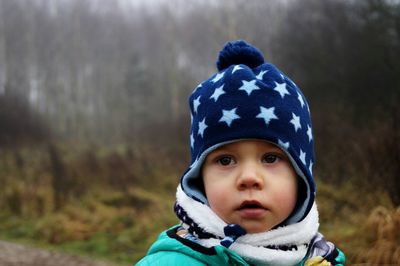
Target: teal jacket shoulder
(170, 249)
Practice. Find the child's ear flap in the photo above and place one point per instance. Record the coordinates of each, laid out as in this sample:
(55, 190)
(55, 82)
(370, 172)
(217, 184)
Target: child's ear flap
(301, 194)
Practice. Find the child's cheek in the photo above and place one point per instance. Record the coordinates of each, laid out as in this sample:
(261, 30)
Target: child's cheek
(286, 199)
(218, 199)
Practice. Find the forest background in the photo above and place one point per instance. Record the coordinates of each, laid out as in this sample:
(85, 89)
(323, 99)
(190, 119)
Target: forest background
(94, 118)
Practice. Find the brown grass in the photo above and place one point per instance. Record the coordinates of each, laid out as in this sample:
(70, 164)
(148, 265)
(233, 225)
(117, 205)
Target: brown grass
(382, 231)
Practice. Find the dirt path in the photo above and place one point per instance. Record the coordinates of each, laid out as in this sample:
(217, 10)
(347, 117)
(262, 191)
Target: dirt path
(19, 255)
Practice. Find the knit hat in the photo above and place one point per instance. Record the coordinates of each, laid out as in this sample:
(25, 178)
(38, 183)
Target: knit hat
(250, 99)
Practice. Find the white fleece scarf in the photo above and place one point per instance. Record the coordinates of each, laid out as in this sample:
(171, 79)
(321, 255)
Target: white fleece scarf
(253, 247)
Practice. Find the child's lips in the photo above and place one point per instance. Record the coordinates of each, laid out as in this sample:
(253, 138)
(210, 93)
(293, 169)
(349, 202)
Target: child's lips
(252, 209)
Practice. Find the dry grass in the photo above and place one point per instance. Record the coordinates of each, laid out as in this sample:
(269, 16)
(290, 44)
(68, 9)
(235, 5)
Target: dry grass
(382, 231)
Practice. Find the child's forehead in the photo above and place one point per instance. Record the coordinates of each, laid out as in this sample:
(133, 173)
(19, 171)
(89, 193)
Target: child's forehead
(237, 145)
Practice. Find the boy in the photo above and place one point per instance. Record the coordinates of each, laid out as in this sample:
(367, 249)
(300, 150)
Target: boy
(248, 196)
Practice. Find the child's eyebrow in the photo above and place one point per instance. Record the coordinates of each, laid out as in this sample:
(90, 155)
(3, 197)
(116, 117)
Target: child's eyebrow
(222, 150)
(265, 149)
(276, 149)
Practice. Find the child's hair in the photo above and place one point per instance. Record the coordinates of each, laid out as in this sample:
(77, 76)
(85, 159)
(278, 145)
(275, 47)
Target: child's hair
(250, 99)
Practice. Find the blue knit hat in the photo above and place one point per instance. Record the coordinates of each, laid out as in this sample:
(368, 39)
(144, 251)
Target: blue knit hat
(250, 99)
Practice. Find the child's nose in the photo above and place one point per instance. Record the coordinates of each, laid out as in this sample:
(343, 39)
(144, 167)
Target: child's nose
(250, 178)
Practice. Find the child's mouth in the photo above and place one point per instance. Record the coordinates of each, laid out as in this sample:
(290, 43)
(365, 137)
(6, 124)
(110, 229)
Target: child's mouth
(252, 210)
(251, 204)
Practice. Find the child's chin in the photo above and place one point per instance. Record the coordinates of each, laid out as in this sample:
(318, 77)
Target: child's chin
(254, 229)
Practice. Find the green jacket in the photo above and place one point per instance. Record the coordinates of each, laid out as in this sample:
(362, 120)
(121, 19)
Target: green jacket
(172, 250)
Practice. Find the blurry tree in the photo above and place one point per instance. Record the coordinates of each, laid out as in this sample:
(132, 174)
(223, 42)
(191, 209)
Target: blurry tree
(13, 130)
(14, 55)
(61, 184)
(102, 69)
(349, 52)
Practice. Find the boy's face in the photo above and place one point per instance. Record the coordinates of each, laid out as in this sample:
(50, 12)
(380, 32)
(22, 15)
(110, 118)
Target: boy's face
(251, 183)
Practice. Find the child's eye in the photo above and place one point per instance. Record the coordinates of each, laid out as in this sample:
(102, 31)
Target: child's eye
(270, 158)
(225, 160)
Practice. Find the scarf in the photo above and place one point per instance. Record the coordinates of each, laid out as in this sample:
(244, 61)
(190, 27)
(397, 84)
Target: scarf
(286, 245)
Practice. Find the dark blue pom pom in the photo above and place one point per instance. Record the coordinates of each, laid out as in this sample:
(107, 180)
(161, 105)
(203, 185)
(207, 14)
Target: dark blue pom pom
(239, 52)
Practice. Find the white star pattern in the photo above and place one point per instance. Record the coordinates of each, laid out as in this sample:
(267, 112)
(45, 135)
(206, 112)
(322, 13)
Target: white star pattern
(283, 144)
(202, 127)
(302, 157)
(310, 167)
(218, 92)
(261, 74)
(300, 99)
(267, 114)
(281, 88)
(191, 140)
(292, 83)
(196, 104)
(198, 87)
(236, 68)
(296, 122)
(249, 86)
(228, 116)
(218, 77)
(309, 133)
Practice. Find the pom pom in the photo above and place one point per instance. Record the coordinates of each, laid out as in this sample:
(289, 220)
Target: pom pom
(239, 52)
